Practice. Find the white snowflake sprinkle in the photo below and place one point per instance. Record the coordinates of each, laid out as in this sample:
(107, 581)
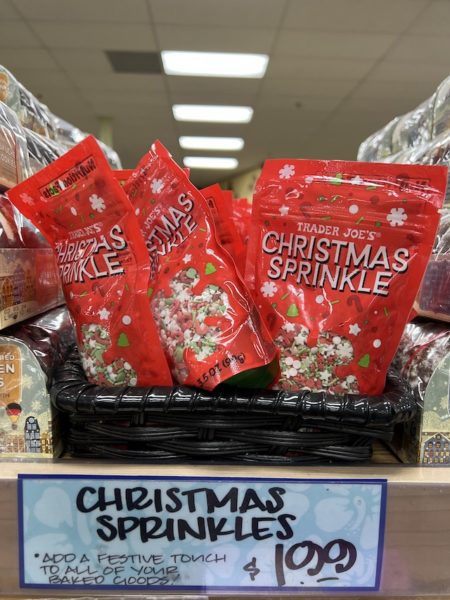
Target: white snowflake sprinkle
(288, 327)
(376, 343)
(354, 329)
(74, 211)
(268, 289)
(296, 364)
(157, 186)
(97, 203)
(357, 180)
(292, 372)
(126, 319)
(353, 209)
(289, 361)
(320, 299)
(104, 314)
(286, 172)
(397, 217)
(283, 210)
(187, 258)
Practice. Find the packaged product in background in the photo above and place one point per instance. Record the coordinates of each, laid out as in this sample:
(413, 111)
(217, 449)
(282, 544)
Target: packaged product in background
(433, 300)
(210, 328)
(29, 353)
(441, 109)
(242, 214)
(83, 212)
(9, 90)
(414, 128)
(14, 165)
(41, 151)
(220, 204)
(423, 359)
(336, 255)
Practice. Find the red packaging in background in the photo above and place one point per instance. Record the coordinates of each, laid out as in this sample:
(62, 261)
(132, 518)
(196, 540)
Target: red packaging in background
(122, 175)
(336, 255)
(83, 212)
(220, 204)
(209, 325)
(242, 215)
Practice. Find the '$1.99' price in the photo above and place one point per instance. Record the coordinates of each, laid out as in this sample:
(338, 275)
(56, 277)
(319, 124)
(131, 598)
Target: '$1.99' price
(340, 553)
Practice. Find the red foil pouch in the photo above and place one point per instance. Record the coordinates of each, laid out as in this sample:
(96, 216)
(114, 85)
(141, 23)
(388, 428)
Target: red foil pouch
(210, 328)
(86, 217)
(336, 255)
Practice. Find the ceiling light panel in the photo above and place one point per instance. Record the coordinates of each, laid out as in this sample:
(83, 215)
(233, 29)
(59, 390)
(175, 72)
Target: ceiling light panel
(209, 162)
(190, 142)
(214, 64)
(212, 113)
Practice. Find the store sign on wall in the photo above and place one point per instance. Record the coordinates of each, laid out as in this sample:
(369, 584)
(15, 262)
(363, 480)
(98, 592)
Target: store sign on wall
(200, 534)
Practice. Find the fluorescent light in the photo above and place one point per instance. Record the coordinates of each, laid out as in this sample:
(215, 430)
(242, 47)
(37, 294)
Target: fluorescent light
(191, 142)
(214, 64)
(207, 162)
(208, 113)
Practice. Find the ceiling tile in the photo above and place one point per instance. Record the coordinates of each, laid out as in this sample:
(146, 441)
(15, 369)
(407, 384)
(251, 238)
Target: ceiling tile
(7, 10)
(391, 97)
(217, 129)
(123, 109)
(123, 100)
(17, 34)
(214, 39)
(423, 48)
(27, 58)
(120, 82)
(215, 85)
(250, 13)
(378, 16)
(120, 11)
(75, 58)
(320, 94)
(316, 68)
(435, 20)
(106, 36)
(227, 97)
(331, 45)
(411, 71)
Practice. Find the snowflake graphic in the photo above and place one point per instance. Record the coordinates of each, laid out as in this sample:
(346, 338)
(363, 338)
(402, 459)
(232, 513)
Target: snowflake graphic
(354, 329)
(97, 203)
(283, 210)
(104, 314)
(27, 381)
(288, 327)
(157, 186)
(36, 405)
(268, 289)
(187, 258)
(397, 217)
(286, 172)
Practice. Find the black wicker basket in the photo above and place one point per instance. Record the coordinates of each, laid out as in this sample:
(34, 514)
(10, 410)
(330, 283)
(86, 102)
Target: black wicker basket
(182, 424)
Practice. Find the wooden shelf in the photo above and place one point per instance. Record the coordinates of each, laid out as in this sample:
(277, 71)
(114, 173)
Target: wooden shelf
(417, 541)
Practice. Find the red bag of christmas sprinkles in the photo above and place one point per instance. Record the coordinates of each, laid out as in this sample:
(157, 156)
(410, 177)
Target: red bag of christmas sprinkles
(336, 255)
(209, 326)
(85, 215)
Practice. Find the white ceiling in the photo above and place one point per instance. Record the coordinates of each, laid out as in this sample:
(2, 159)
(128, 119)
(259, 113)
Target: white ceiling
(338, 69)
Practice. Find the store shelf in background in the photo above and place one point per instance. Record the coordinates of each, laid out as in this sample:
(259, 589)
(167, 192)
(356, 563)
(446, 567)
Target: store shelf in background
(417, 540)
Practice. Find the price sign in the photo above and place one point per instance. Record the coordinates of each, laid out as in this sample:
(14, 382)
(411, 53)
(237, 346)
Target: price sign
(200, 534)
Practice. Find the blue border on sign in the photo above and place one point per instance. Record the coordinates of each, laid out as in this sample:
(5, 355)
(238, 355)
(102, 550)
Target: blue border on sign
(206, 589)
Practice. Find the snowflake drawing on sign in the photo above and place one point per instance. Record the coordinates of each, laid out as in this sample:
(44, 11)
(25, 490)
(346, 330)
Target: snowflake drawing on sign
(268, 289)
(157, 186)
(104, 314)
(286, 172)
(397, 217)
(97, 203)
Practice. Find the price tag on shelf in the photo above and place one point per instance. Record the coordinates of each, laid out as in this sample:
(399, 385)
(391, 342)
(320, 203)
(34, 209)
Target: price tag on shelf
(195, 534)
